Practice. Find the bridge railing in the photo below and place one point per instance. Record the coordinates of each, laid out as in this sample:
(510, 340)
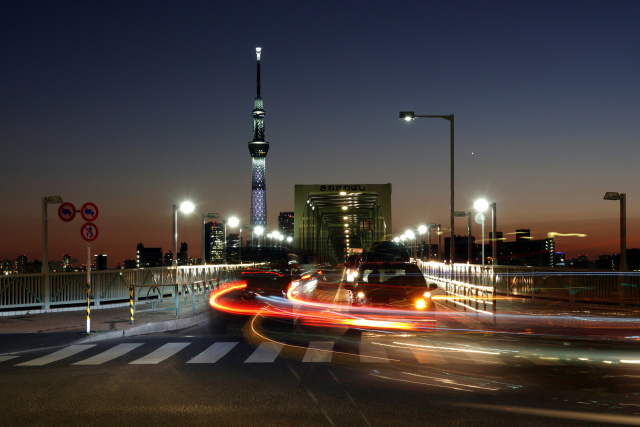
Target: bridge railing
(480, 285)
(59, 291)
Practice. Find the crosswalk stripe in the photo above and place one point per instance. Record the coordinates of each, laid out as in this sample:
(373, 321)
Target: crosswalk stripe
(370, 352)
(482, 355)
(109, 354)
(214, 352)
(4, 358)
(319, 351)
(57, 355)
(425, 355)
(160, 354)
(265, 353)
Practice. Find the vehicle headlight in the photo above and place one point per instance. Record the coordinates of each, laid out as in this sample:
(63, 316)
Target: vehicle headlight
(427, 295)
(421, 304)
(360, 294)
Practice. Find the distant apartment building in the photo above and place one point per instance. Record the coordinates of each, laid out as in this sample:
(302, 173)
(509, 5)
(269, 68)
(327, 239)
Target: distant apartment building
(100, 262)
(148, 257)
(286, 224)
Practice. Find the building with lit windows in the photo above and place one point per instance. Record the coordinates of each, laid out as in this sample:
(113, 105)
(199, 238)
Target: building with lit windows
(214, 242)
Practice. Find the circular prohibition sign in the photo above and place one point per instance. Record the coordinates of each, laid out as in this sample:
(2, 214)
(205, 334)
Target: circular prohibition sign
(89, 231)
(89, 211)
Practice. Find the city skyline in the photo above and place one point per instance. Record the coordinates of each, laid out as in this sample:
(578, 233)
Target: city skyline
(136, 107)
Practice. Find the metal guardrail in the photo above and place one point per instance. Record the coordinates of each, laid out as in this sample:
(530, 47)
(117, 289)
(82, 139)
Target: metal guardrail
(60, 291)
(475, 285)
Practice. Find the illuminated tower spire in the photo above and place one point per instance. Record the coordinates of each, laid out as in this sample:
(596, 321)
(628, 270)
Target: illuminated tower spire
(258, 149)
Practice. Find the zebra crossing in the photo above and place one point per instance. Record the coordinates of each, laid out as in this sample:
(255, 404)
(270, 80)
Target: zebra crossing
(366, 352)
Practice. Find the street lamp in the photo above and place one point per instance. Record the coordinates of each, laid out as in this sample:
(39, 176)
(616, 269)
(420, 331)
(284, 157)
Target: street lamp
(235, 222)
(410, 235)
(258, 230)
(610, 195)
(421, 230)
(51, 200)
(429, 227)
(482, 205)
(185, 207)
(45, 246)
(409, 116)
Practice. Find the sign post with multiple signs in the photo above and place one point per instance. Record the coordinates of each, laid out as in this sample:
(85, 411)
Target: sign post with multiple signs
(89, 232)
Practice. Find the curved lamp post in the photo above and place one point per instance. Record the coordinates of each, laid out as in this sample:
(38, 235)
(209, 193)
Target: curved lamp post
(410, 116)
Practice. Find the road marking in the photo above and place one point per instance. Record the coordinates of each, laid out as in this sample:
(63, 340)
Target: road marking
(3, 358)
(370, 352)
(265, 353)
(214, 352)
(425, 355)
(319, 351)
(57, 355)
(160, 354)
(109, 354)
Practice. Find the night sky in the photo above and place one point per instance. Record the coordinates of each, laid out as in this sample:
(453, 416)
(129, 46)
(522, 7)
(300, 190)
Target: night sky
(137, 105)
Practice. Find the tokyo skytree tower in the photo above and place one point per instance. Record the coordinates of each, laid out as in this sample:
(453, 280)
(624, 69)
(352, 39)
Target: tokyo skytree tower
(258, 149)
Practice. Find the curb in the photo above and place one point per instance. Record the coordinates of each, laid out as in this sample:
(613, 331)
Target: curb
(149, 328)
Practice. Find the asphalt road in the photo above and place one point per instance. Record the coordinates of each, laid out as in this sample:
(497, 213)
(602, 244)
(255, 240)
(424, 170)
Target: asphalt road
(229, 372)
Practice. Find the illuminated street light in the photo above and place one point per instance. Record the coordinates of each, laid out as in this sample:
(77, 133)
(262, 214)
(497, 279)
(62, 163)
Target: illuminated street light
(482, 205)
(409, 116)
(258, 230)
(187, 208)
(421, 230)
(610, 195)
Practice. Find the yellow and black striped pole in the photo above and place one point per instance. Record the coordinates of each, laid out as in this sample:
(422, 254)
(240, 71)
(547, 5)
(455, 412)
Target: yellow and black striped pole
(88, 287)
(131, 306)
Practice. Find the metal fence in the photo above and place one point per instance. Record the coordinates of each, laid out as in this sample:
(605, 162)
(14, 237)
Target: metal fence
(56, 291)
(480, 285)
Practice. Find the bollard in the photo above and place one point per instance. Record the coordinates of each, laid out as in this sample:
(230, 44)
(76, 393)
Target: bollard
(131, 306)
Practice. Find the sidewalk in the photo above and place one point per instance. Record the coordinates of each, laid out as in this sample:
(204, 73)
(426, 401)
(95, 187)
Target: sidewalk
(108, 322)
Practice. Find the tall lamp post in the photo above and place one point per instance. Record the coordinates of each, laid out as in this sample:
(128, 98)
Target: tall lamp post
(235, 222)
(409, 116)
(610, 195)
(482, 205)
(429, 227)
(421, 230)
(411, 236)
(50, 200)
(185, 207)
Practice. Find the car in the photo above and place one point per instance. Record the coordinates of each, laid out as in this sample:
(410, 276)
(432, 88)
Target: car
(265, 283)
(391, 284)
(387, 251)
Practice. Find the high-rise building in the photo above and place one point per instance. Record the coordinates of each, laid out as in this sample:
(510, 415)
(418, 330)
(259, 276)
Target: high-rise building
(100, 261)
(258, 149)
(214, 242)
(285, 224)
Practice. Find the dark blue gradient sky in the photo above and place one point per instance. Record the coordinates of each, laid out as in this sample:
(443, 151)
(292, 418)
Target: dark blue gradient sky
(136, 105)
